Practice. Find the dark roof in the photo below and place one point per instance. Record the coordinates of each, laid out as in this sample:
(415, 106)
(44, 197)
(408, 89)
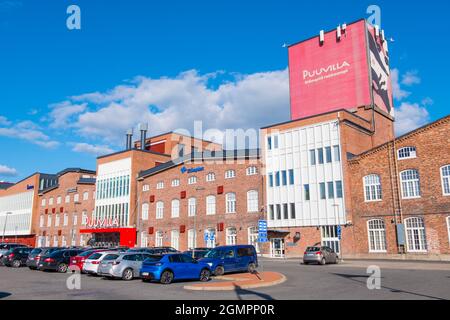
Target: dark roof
(76, 170)
(206, 155)
(86, 181)
(5, 185)
(133, 149)
(174, 132)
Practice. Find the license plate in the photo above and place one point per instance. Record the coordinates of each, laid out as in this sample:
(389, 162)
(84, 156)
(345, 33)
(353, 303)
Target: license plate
(31, 259)
(310, 254)
(74, 261)
(145, 273)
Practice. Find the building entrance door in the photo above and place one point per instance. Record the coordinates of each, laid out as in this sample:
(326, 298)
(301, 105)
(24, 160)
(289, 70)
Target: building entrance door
(277, 249)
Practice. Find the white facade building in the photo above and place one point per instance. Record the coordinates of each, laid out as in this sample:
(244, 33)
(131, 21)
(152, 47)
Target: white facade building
(16, 213)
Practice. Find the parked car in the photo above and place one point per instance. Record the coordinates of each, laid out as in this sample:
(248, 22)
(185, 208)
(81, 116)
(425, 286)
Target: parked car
(126, 266)
(92, 263)
(320, 255)
(197, 253)
(16, 257)
(169, 267)
(227, 259)
(58, 260)
(5, 247)
(163, 250)
(35, 256)
(157, 250)
(77, 262)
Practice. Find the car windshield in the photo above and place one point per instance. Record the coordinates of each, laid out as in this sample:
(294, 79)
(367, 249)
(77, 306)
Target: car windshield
(36, 251)
(95, 256)
(215, 253)
(85, 254)
(312, 249)
(111, 257)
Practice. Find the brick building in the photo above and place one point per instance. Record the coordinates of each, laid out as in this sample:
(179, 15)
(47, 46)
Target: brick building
(63, 208)
(204, 199)
(401, 196)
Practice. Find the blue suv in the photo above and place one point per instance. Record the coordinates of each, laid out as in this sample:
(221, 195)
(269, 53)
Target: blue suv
(226, 259)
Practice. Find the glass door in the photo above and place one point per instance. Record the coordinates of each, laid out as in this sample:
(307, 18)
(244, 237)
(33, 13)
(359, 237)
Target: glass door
(277, 248)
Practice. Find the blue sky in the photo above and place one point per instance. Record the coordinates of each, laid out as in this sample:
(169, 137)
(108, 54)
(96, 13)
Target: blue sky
(67, 96)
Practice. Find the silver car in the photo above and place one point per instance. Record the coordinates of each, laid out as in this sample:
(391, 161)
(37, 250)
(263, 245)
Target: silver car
(126, 266)
(92, 263)
(320, 255)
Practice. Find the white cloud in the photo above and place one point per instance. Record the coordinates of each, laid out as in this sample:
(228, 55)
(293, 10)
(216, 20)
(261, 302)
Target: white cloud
(63, 113)
(28, 131)
(248, 101)
(4, 121)
(7, 171)
(410, 78)
(398, 92)
(410, 116)
(92, 149)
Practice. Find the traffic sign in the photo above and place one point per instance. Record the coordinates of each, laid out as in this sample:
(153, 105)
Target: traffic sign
(339, 232)
(262, 231)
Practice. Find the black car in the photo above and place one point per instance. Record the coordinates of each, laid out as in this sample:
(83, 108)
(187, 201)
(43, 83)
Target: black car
(36, 254)
(197, 253)
(5, 247)
(16, 257)
(58, 260)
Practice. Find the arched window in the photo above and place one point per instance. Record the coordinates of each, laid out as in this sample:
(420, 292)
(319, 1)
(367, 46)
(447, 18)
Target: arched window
(84, 218)
(252, 201)
(159, 239)
(210, 177)
(372, 188)
(253, 237)
(229, 174)
(160, 185)
(445, 174)
(50, 201)
(144, 240)
(210, 205)
(231, 236)
(192, 239)
(448, 228)
(75, 219)
(377, 235)
(159, 210)
(49, 220)
(231, 202)
(192, 207)
(175, 208)
(175, 239)
(65, 219)
(175, 182)
(43, 202)
(252, 170)
(192, 180)
(67, 199)
(58, 200)
(410, 184)
(407, 153)
(145, 209)
(210, 238)
(85, 195)
(41, 221)
(415, 234)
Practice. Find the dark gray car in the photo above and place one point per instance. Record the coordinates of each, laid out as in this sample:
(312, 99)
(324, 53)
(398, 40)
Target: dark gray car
(35, 256)
(320, 255)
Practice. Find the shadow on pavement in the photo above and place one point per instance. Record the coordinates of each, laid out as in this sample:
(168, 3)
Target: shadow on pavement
(4, 294)
(354, 277)
(241, 292)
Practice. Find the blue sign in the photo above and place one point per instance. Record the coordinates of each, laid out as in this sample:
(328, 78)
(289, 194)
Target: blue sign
(262, 231)
(339, 232)
(30, 187)
(192, 170)
(209, 236)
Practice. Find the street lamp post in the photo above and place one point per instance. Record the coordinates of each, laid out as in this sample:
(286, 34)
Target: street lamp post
(4, 225)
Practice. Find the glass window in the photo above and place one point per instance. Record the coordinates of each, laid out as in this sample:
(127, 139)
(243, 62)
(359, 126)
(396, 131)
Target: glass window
(253, 237)
(284, 177)
(322, 187)
(192, 180)
(293, 214)
(328, 154)
(415, 234)
(41, 221)
(43, 202)
(192, 239)
(445, 173)
(410, 183)
(271, 212)
(210, 177)
(50, 201)
(377, 235)
(145, 187)
(252, 201)
(192, 207)
(271, 180)
(291, 177)
(231, 202)
(85, 195)
(251, 171)
(337, 153)
(67, 200)
(278, 211)
(312, 157)
(160, 185)
(320, 155)
(210, 205)
(275, 142)
(285, 211)
(231, 236)
(175, 239)
(230, 174)
(339, 189)
(175, 208)
(175, 182)
(269, 143)
(306, 192)
(372, 188)
(407, 153)
(159, 210)
(330, 190)
(159, 239)
(145, 208)
(66, 219)
(76, 197)
(58, 200)
(277, 179)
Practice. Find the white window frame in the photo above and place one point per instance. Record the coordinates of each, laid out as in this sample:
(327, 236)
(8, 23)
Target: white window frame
(58, 200)
(76, 197)
(192, 207)
(421, 233)
(192, 180)
(145, 188)
(445, 179)
(41, 221)
(372, 188)
(230, 202)
(84, 218)
(252, 201)
(210, 177)
(411, 151)
(231, 236)
(192, 239)
(175, 239)
(448, 229)
(159, 210)
(159, 239)
(160, 185)
(75, 219)
(175, 208)
(65, 219)
(175, 182)
(376, 233)
(230, 174)
(85, 196)
(67, 199)
(252, 170)
(44, 202)
(49, 220)
(145, 210)
(252, 237)
(210, 205)
(50, 201)
(410, 185)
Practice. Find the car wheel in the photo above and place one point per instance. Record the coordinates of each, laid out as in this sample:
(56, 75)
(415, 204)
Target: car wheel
(305, 263)
(251, 268)
(62, 268)
(16, 264)
(32, 268)
(127, 274)
(166, 277)
(205, 275)
(219, 271)
(323, 262)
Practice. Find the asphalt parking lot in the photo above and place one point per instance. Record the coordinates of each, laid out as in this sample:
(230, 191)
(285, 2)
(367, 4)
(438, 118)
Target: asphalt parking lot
(399, 280)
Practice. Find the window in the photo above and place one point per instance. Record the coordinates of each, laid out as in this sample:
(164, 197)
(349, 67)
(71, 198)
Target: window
(175, 208)
(320, 156)
(175, 239)
(445, 173)
(192, 180)
(160, 185)
(271, 212)
(55, 241)
(277, 179)
(175, 182)
(41, 221)
(229, 174)
(410, 184)
(67, 200)
(210, 205)
(372, 188)
(407, 153)
(210, 177)
(43, 202)
(285, 211)
(192, 239)
(144, 240)
(269, 143)
(210, 238)
(252, 201)
(291, 177)
(270, 180)
(251, 171)
(306, 192)
(50, 201)
(159, 239)
(293, 215)
(275, 142)
(337, 153)
(192, 207)
(339, 189)
(312, 157)
(284, 177)
(145, 209)
(448, 228)
(75, 219)
(253, 237)
(278, 211)
(231, 236)
(58, 200)
(66, 219)
(145, 187)
(330, 238)
(85, 195)
(231, 202)
(84, 218)
(377, 235)
(415, 234)
(323, 194)
(159, 210)
(330, 187)
(49, 221)
(328, 154)
(76, 198)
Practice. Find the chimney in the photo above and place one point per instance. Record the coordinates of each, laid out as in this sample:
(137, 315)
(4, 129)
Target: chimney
(143, 127)
(129, 139)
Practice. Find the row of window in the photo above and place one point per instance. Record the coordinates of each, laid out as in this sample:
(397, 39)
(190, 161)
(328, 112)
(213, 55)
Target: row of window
(280, 178)
(230, 205)
(65, 221)
(409, 182)
(324, 155)
(76, 198)
(114, 187)
(210, 177)
(415, 235)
